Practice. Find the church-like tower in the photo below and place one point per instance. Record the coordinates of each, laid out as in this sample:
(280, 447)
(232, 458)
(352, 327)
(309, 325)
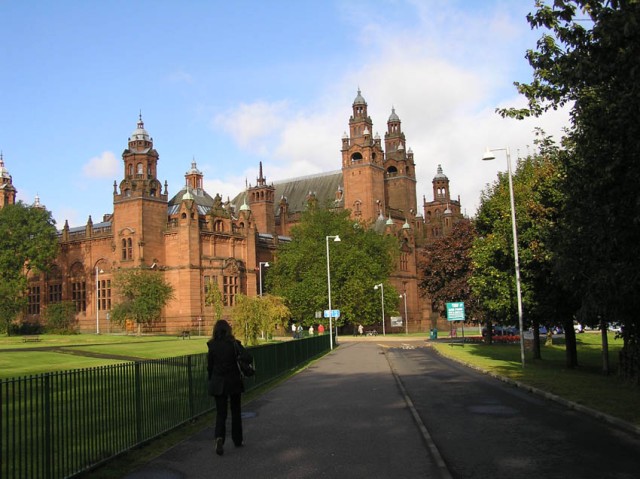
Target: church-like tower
(261, 202)
(400, 170)
(7, 190)
(140, 205)
(362, 166)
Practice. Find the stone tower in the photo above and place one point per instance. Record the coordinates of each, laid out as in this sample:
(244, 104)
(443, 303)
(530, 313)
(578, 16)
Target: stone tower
(400, 170)
(362, 166)
(140, 207)
(7, 190)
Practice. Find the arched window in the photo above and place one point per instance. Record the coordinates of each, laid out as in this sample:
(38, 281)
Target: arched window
(124, 248)
(140, 169)
(130, 170)
(129, 248)
(357, 156)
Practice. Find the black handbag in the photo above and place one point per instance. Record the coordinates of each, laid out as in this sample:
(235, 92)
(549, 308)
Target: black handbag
(244, 361)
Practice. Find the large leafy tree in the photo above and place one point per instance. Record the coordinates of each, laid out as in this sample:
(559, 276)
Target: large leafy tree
(28, 240)
(360, 260)
(445, 268)
(538, 201)
(142, 295)
(589, 61)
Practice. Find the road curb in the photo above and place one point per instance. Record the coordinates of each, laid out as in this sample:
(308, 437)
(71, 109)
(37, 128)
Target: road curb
(615, 421)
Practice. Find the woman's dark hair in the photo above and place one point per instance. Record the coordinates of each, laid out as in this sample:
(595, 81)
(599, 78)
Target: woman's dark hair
(222, 330)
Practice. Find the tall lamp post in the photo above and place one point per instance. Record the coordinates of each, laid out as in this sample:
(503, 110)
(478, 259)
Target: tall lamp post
(335, 238)
(381, 286)
(489, 156)
(260, 265)
(98, 271)
(406, 318)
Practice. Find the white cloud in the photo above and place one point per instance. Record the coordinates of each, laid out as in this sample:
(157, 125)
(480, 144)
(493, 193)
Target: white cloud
(103, 166)
(251, 125)
(445, 77)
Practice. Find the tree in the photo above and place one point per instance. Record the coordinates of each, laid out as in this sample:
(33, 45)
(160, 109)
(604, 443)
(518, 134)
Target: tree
(28, 240)
(445, 268)
(538, 201)
(142, 295)
(589, 62)
(213, 297)
(360, 260)
(60, 318)
(253, 316)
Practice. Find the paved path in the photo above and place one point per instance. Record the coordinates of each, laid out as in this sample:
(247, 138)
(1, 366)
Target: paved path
(344, 416)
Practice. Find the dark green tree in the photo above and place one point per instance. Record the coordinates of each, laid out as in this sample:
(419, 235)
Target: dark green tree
(141, 296)
(588, 61)
(60, 318)
(360, 260)
(28, 241)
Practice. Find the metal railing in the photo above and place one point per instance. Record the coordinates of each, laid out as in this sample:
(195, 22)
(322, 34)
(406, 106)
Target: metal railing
(58, 424)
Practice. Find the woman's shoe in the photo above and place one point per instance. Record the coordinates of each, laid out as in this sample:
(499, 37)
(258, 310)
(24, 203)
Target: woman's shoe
(219, 446)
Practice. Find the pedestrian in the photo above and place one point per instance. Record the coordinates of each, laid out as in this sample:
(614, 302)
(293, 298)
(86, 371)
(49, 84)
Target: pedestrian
(293, 330)
(225, 382)
(321, 329)
(299, 331)
(360, 329)
(311, 330)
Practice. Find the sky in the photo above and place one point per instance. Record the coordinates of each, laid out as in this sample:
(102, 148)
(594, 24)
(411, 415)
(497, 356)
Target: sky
(232, 84)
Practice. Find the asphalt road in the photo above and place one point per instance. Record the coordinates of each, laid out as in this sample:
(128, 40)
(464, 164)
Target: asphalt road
(382, 409)
(484, 428)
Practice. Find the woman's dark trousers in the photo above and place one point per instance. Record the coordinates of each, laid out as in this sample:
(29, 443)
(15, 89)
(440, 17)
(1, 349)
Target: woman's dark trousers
(236, 419)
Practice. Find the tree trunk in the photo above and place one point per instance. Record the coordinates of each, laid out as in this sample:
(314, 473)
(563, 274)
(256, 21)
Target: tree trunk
(605, 348)
(570, 345)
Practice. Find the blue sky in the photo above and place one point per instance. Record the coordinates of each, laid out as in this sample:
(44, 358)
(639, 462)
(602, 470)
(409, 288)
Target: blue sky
(230, 84)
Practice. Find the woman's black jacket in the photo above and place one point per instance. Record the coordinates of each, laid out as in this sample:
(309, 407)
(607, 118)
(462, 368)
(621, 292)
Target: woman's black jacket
(222, 368)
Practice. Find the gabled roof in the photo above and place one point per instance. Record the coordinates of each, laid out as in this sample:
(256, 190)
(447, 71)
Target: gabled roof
(296, 191)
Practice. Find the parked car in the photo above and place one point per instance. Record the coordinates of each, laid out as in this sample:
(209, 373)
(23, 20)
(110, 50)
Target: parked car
(615, 327)
(499, 330)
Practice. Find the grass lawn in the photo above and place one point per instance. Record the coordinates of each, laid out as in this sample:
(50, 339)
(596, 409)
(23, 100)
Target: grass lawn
(61, 352)
(584, 385)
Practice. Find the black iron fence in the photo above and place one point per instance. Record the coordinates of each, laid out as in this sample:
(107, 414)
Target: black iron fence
(56, 425)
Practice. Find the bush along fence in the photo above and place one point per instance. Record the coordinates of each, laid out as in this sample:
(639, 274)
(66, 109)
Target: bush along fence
(59, 424)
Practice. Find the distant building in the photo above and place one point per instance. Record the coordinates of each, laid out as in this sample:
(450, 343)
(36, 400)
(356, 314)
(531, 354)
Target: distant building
(196, 240)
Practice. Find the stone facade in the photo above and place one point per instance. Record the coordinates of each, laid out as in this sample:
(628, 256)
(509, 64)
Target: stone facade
(197, 241)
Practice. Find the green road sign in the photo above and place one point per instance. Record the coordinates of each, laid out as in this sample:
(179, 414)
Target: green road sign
(455, 311)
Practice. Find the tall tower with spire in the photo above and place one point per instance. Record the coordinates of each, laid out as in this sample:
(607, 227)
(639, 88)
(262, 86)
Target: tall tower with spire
(262, 203)
(400, 170)
(7, 190)
(362, 165)
(140, 205)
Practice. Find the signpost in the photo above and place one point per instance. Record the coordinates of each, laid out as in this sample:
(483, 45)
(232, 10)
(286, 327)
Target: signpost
(455, 312)
(396, 321)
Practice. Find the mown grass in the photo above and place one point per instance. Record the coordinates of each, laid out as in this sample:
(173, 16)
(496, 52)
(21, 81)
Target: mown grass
(585, 385)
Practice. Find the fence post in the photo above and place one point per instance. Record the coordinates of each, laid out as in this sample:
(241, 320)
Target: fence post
(138, 398)
(46, 391)
(191, 391)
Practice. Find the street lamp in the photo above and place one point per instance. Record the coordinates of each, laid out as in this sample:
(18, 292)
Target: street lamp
(266, 265)
(335, 238)
(489, 156)
(98, 271)
(381, 286)
(406, 318)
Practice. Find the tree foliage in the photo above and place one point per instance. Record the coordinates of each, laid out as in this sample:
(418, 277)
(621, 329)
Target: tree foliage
(60, 318)
(141, 296)
(445, 268)
(588, 61)
(260, 315)
(360, 260)
(28, 240)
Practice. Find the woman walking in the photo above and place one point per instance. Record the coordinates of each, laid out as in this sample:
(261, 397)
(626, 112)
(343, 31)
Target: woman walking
(225, 382)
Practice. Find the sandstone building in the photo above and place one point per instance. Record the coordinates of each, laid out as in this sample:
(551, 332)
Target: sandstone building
(194, 239)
